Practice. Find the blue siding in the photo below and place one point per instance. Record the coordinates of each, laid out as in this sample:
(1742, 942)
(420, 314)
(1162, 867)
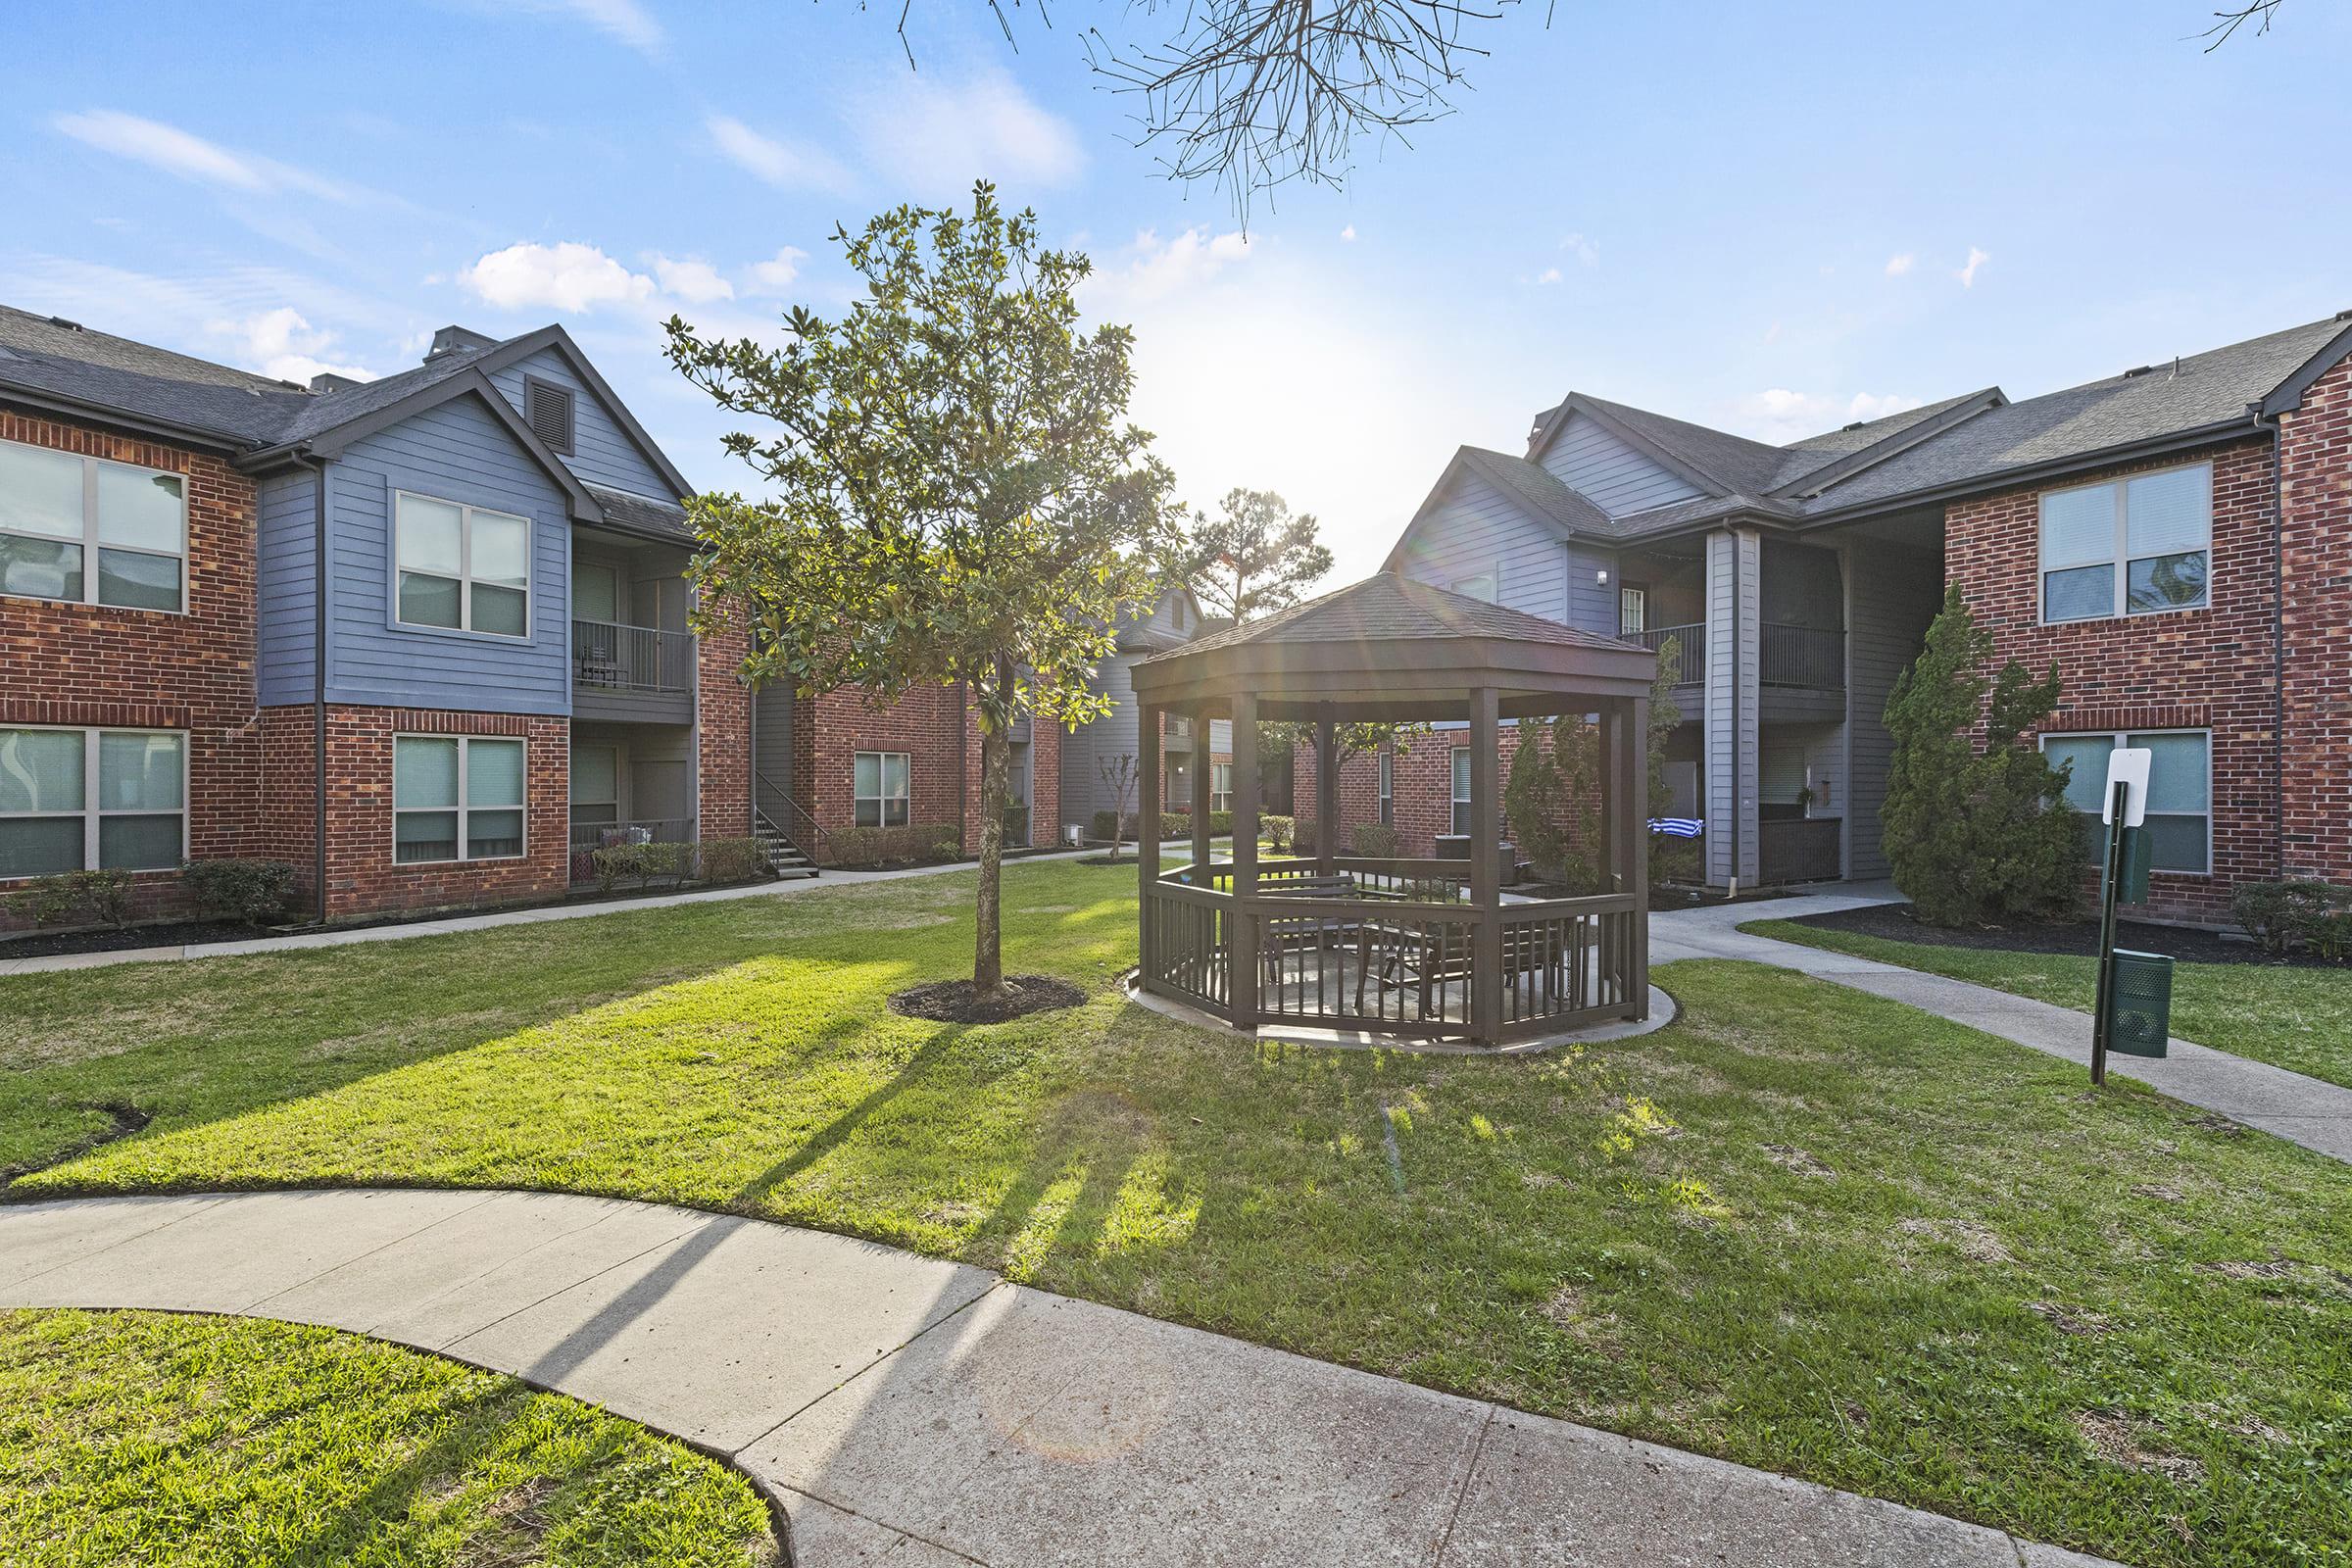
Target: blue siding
(454, 451)
(1475, 529)
(1591, 603)
(602, 451)
(286, 659)
(1613, 476)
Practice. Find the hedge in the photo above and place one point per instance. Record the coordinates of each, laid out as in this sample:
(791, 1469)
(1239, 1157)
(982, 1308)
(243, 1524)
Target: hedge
(896, 845)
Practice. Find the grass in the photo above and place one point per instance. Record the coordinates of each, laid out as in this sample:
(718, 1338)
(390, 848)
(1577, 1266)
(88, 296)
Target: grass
(156, 1438)
(2296, 1017)
(1803, 1228)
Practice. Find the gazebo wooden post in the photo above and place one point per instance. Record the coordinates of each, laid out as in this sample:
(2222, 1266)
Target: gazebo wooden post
(1201, 730)
(1486, 868)
(1244, 938)
(1327, 788)
(1635, 811)
(1611, 858)
(1147, 838)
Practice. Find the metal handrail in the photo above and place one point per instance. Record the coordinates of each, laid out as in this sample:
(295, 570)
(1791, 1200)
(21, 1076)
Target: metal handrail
(1801, 655)
(799, 828)
(1693, 640)
(612, 657)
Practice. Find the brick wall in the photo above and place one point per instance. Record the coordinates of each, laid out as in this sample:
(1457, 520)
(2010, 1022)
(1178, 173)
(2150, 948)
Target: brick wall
(360, 874)
(1420, 785)
(2315, 569)
(95, 665)
(724, 720)
(940, 734)
(2208, 669)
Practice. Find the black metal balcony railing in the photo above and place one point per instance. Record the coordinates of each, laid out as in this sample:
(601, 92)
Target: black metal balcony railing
(1693, 642)
(1802, 655)
(631, 658)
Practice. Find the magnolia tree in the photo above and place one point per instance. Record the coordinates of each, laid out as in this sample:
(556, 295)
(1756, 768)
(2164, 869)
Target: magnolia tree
(955, 491)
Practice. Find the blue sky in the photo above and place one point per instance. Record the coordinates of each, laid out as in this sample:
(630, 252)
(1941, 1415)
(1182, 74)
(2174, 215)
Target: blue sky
(1757, 217)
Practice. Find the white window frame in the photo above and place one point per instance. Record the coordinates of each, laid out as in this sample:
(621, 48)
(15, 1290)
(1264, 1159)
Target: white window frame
(2118, 557)
(1220, 799)
(882, 778)
(1387, 787)
(464, 804)
(1458, 775)
(1639, 595)
(2123, 737)
(1485, 587)
(465, 626)
(89, 542)
(91, 784)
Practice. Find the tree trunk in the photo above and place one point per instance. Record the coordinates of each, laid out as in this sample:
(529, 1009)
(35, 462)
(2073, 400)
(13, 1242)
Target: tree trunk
(996, 758)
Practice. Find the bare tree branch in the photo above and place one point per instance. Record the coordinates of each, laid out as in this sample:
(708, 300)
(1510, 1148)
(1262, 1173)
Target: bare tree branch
(2226, 23)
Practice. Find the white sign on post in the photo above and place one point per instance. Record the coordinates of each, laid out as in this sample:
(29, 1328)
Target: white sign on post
(2127, 764)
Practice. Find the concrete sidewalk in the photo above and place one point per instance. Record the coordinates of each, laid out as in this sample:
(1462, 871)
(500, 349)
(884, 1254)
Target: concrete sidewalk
(2305, 1111)
(925, 1413)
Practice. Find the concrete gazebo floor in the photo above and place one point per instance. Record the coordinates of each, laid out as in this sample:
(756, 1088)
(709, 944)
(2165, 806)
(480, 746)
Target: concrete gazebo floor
(1662, 1012)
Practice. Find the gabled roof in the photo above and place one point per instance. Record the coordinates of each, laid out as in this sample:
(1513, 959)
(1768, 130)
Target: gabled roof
(1541, 492)
(58, 364)
(1386, 608)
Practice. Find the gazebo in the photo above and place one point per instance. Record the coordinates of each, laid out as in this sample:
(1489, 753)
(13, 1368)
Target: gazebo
(1414, 948)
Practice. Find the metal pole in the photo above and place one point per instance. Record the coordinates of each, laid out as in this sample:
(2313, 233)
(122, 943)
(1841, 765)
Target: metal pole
(2102, 1024)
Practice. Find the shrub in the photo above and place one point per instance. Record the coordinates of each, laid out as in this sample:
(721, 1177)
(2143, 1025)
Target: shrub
(251, 891)
(735, 861)
(1378, 841)
(669, 863)
(1552, 800)
(897, 846)
(2331, 936)
(1280, 832)
(1976, 835)
(2285, 916)
(100, 896)
(1172, 824)
(1306, 834)
(615, 861)
(1106, 825)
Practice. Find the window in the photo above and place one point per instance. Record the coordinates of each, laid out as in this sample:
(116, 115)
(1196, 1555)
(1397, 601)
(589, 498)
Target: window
(1633, 610)
(879, 784)
(463, 569)
(2180, 819)
(1388, 788)
(595, 785)
(548, 409)
(1481, 586)
(52, 819)
(1461, 789)
(1176, 612)
(2131, 547)
(1221, 786)
(457, 798)
(90, 531)
(595, 593)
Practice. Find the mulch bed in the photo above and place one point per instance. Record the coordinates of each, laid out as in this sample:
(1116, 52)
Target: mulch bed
(1894, 922)
(952, 1001)
(176, 934)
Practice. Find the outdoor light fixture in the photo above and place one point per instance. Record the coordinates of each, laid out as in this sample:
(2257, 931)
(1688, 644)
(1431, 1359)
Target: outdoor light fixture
(1602, 576)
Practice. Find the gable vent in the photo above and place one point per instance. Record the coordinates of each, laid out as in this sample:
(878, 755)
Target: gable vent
(548, 407)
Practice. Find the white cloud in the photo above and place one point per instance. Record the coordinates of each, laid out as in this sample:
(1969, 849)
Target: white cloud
(1968, 275)
(190, 157)
(1899, 266)
(772, 161)
(1550, 274)
(282, 343)
(1584, 250)
(693, 280)
(937, 137)
(775, 275)
(1349, 233)
(1780, 415)
(570, 277)
(622, 20)
(1155, 269)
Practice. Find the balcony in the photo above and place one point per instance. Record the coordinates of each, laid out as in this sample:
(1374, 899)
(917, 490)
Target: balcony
(635, 673)
(1692, 641)
(1810, 656)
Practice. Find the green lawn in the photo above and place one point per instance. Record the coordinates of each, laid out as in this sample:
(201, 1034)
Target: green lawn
(1803, 1227)
(158, 1438)
(2299, 1017)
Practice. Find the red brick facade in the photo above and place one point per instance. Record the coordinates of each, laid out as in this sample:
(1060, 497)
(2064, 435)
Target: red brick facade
(1420, 781)
(723, 718)
(2210, 668)
(2316, 574)
(940, 732)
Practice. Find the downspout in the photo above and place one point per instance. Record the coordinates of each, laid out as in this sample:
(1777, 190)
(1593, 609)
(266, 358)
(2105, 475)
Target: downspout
(319, 565)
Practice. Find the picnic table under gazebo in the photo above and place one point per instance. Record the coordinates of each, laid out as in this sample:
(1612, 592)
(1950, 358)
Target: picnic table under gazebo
(1416, 947)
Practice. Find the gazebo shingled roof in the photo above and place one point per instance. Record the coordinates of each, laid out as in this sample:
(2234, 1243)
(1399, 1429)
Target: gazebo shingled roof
(1385, 607)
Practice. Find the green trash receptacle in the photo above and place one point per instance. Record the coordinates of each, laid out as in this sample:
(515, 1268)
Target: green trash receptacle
(2143, 1003)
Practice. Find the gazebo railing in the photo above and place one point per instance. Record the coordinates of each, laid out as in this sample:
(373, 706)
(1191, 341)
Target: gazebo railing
(1190, 950)
(1565, 961)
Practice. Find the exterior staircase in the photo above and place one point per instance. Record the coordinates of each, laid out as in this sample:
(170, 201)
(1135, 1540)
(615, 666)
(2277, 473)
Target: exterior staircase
(784, 858)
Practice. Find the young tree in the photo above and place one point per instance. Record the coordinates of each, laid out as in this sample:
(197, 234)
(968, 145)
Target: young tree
(1975, 835)
(1670, 859)
(1251, 558)
(1553, 798)
(1123, 775)
(956, 492)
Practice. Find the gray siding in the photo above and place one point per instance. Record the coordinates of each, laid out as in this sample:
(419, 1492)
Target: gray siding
(1614, 475)
(602, 451)
(771, 742)
(1475, 529)
(1891, 594)
(286, 637)
(1114, 734)
(1731, 708)
(453, 451)
(1591, 603)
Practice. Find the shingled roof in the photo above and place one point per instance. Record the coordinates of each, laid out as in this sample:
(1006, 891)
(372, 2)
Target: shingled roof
(1388, 608)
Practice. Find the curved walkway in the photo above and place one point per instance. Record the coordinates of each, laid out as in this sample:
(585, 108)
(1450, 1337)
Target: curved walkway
(2305, 1111)
(923, 1414)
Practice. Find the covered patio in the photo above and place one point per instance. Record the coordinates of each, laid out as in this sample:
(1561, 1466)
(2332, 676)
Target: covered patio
(1418, 948)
